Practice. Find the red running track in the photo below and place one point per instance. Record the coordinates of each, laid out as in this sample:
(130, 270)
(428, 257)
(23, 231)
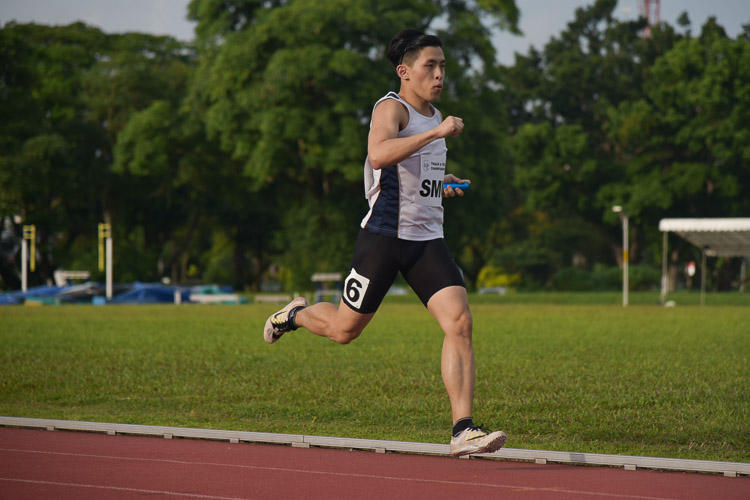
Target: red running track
(41, 464)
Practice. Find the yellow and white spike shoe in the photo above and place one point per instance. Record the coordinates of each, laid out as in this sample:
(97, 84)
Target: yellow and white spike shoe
(477, 440)
(279, 323)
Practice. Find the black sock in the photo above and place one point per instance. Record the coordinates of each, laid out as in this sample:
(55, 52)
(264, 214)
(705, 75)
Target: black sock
(293, 317)
(461, 425)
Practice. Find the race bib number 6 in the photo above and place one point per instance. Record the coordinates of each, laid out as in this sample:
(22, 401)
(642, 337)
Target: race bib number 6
(355, 288)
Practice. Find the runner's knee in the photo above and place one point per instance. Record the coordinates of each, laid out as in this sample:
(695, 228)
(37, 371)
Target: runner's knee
(462, 325)
(345, 335)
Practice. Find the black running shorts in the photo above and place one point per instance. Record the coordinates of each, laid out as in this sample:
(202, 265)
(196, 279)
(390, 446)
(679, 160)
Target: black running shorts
(427, 267)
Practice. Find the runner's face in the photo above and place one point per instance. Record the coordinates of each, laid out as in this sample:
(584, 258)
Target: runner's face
(426, 74)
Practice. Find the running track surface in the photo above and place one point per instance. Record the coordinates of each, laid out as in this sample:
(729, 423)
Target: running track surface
(64, 465)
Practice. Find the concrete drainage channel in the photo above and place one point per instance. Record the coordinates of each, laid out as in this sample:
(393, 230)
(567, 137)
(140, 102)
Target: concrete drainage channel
(729, 469)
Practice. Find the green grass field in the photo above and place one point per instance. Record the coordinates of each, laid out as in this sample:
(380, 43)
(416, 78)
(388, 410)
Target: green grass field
(644, 380)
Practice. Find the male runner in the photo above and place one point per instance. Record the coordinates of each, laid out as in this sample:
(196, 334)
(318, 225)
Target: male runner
(403, 231)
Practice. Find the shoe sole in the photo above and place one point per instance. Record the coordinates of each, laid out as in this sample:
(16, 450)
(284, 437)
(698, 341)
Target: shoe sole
(268, 329)
(490, 447)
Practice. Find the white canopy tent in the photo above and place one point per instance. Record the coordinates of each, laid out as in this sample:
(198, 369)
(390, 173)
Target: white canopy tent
(715, 238)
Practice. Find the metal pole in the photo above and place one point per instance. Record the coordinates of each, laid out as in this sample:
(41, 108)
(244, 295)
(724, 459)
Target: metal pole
(31, 236)
(743, 273)
(28, 258)
(24, 263)
(105, 255)
(101, 247)
(703, 276)
(624, 218)
(625, 257)
(664, 269)
(109, 267)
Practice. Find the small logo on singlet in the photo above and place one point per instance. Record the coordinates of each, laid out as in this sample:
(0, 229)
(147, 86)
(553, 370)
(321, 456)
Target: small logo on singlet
(426, 165)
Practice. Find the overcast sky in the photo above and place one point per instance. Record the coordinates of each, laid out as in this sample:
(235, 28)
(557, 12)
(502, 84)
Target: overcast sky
(540, 19)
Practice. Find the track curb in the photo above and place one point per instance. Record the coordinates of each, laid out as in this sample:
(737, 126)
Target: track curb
(729, 469)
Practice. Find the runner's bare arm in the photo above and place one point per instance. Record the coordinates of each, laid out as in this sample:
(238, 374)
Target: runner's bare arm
(385, 148)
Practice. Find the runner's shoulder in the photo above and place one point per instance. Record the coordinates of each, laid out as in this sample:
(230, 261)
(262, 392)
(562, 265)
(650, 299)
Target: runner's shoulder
(391, 109)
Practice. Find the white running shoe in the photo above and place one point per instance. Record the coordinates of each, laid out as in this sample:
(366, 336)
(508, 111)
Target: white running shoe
(278, 323)
(477, 440)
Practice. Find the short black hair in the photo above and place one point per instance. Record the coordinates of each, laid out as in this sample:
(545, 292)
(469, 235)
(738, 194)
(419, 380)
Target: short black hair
(407, 41)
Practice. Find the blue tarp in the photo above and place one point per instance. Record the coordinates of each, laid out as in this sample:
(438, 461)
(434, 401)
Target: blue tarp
(150, 293)
(131, 293)
(18, 296)
(211, 289)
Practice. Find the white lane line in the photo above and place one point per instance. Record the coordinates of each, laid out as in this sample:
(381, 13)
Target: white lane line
(117, 488)
(348, 474)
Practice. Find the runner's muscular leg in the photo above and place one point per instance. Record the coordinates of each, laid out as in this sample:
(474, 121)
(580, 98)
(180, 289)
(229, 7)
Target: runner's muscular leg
(450, 306)
(340, 324)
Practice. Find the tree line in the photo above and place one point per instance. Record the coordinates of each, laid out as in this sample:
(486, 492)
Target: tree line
(237, 157)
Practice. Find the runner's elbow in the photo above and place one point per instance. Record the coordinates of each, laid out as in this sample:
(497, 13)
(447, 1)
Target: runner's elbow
(379, 155)
(377, 162)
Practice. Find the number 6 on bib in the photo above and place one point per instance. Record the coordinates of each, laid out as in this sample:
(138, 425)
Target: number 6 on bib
(355, 288)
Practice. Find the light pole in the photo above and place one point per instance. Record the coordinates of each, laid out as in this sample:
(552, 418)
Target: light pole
(624, 218)
(28, 258)
(105, 254)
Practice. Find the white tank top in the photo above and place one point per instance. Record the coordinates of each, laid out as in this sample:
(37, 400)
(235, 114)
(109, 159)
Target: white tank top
(406, 199)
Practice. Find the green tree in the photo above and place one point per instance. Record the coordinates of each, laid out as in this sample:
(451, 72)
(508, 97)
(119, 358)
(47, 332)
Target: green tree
(560, 100)
(684, 144)
(139, 85)
(66, 94)
(41, 133)
(286, 88)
